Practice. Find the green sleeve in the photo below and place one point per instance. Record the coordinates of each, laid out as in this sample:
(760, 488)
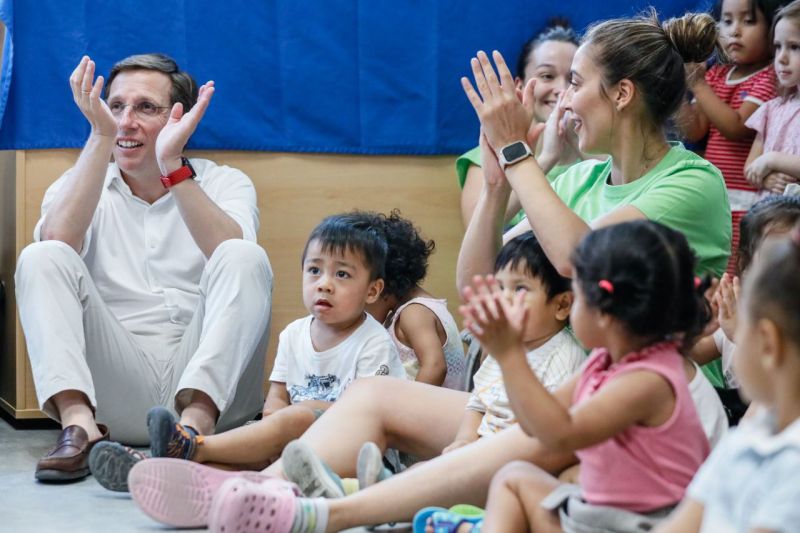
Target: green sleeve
(473, 157)
(694, 200)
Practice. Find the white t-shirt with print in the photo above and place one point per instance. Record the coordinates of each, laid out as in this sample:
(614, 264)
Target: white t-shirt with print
(312, 375)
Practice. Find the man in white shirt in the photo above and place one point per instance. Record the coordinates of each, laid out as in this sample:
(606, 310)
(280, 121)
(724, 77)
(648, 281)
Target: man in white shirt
(145, 285)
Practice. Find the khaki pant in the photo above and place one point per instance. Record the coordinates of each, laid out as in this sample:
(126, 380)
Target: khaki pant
(76, 343)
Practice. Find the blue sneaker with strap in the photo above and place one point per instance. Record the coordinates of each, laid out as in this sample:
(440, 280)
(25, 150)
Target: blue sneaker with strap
(168, 438)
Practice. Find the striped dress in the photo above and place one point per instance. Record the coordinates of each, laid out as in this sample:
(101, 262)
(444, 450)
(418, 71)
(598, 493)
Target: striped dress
(730, 156)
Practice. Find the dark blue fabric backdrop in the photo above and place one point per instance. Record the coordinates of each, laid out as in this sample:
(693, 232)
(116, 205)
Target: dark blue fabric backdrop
(367, 77)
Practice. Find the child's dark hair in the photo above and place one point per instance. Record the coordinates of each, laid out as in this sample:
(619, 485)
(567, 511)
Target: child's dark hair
(407, 255)
(642, 274)
(524, 250)
(558, 29)
(352, 233)
(773, 289)
(772, 213)
(768, 8)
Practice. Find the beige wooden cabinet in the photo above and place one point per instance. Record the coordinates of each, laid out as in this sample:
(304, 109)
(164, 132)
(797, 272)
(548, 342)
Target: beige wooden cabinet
(295, 191)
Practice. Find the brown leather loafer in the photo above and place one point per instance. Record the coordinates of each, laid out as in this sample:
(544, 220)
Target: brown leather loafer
(69, 458)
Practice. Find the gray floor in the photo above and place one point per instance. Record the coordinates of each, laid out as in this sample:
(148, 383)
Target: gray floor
(28, 506)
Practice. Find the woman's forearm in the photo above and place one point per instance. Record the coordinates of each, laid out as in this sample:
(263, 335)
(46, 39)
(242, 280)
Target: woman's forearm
(484, 235)
(556, 227)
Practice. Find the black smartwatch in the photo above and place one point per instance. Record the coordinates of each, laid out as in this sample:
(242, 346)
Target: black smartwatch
(514, 153)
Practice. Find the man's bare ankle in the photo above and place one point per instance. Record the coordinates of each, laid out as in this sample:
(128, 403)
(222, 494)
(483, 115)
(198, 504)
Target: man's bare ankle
(88, 424)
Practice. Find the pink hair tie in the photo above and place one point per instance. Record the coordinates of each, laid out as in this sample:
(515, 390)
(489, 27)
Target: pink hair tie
(697, 282)
(606, 286)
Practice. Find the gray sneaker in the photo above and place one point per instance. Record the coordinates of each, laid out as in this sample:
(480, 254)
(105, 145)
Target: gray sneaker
(303, 466)
(369, 468)
(110, 463)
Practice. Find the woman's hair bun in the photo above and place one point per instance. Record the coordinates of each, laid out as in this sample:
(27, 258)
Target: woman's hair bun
(695, 36)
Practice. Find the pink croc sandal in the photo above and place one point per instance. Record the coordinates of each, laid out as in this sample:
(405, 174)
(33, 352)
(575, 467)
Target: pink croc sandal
(177, 492)
(244, 506)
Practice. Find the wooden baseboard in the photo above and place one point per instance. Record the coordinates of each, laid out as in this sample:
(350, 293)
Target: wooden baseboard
(22, 414)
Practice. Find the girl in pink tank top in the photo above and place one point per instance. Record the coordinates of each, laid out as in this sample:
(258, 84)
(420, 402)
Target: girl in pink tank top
(423, 329)
(628, 416)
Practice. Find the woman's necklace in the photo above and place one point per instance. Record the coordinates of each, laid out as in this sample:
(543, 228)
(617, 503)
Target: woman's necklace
(650, 162)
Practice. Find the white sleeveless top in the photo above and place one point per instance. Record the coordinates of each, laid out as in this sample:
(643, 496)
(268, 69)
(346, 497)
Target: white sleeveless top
(453, 349)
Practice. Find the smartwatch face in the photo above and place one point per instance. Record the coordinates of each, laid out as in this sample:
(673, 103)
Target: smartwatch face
(514, 151)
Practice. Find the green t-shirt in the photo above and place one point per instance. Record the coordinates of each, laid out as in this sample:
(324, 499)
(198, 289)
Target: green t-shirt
(683, 191)
(473, 157)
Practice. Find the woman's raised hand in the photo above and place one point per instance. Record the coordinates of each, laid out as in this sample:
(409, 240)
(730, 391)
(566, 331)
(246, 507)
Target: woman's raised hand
(503, 117)
(86, 91)
(555, 135)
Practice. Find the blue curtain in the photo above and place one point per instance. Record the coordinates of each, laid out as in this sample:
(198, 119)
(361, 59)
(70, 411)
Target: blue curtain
(362, 77)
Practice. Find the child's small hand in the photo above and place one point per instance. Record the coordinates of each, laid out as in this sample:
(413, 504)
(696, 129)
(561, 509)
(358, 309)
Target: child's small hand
(776, 182)
(496, 321)
(727, 297)
(695, 73)
(709, 295)
(758, 169)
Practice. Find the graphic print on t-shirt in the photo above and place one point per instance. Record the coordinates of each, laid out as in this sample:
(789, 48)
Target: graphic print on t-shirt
(325, 388)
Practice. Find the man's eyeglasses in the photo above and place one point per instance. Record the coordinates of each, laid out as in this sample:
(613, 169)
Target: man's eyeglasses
(142, 109)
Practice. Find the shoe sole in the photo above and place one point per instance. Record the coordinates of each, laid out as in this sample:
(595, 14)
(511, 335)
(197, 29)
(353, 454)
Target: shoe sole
(159, 427)
(302, 466)
(59, 476)
(369, 465)
(110, 465)
(177, 492)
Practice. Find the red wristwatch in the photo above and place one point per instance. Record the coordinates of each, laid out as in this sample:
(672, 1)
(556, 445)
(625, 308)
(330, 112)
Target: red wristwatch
(185, 172)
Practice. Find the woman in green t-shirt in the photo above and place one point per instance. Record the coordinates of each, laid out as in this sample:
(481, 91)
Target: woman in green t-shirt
(623, 90)
(546, 57)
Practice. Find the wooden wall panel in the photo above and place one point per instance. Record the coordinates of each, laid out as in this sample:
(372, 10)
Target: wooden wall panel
(295, 191)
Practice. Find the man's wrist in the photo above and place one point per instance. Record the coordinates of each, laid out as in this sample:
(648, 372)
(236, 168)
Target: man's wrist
(185, 172)
(170, 165)
(95, 137)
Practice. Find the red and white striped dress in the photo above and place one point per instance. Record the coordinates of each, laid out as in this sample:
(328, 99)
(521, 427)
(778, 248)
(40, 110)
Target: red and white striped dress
(730, 156)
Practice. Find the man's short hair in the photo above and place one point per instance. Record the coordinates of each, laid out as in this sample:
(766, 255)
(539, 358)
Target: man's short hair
(184, 88)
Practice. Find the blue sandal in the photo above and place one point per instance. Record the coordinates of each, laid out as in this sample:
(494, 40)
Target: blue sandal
(443, 520)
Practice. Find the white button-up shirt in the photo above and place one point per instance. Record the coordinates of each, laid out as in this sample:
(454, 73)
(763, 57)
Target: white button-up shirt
(141, 256)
